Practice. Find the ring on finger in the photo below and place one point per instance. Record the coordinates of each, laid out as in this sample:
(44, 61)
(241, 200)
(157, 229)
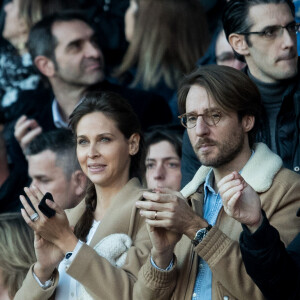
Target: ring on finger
(34, 217)
(155, 216)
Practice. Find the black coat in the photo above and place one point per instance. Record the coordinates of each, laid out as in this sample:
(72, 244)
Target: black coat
(274, 268)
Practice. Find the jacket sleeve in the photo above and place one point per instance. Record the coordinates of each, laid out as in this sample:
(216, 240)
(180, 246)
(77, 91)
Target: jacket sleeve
(104, 281)
(275, 269)
(31, 290)
(223, 254)
(155, 284)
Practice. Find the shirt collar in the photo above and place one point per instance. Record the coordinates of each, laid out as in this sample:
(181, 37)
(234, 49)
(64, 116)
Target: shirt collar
(57, 118)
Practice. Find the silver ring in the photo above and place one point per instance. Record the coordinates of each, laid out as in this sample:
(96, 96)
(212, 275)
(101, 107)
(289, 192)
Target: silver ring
(155, 215)
(34, 217)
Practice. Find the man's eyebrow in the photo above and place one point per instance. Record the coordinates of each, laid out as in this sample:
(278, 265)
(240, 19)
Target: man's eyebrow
(40, 177)
(209, 109)
(74, 43)
(276, 25)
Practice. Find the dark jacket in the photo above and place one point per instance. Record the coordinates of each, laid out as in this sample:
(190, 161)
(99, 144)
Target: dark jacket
(287, 126)
(274, 268)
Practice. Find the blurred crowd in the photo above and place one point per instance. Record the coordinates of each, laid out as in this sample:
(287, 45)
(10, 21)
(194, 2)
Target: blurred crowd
(167, 133)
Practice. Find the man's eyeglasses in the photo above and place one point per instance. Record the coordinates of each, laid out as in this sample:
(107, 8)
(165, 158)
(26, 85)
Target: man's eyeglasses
(272, 32)
(189, 120)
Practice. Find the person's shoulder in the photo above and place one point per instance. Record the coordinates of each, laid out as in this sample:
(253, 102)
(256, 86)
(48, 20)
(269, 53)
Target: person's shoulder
(287, 177)
(133, 190)
(73, 214)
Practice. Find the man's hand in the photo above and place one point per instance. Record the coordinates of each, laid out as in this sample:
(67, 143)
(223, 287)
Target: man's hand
(168, 209)
(240, 201)
(26, 130)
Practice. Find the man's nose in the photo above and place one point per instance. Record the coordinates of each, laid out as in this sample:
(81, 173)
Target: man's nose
(201, 127)
(159, 173)
(92, 51)
(289, 39)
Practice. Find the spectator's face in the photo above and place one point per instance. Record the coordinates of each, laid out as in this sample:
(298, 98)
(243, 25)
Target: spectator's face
(14, 26)
(79, 60)
(49, 177)
(103, 151)
(225, 55)
(163, 166)
(219, 144)
(271, 60)
(130, 16)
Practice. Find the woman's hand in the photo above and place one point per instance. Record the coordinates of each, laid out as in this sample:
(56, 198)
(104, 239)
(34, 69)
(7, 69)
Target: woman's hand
(240, 201)
(164, 242)
(56, 229)
(48, 257)
(159, 209)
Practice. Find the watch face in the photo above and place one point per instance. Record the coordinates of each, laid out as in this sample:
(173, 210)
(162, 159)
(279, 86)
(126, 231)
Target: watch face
(201, 233)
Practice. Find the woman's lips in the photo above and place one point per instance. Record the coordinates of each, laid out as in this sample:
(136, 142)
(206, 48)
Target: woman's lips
(96, 168)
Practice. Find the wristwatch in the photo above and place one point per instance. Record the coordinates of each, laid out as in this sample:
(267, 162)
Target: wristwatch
(200, 234)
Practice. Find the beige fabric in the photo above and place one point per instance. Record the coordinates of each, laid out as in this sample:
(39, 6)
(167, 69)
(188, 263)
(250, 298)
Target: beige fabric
(279, 191)
(99, 277)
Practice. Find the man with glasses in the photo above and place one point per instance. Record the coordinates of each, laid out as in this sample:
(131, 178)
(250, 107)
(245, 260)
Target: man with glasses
(263, 33)
(195, 252)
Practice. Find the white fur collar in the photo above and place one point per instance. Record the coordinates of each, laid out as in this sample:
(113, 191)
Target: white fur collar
(258, 172)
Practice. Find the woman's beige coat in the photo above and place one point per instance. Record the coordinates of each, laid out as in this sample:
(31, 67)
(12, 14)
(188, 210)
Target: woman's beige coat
(95, 273)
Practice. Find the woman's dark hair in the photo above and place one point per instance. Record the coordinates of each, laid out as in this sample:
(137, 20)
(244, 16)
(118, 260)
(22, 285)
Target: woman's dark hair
(159, 134)
(119, 110)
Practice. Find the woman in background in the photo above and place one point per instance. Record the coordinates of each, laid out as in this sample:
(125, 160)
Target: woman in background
(110, 242)
(166, 38)
(16, 253)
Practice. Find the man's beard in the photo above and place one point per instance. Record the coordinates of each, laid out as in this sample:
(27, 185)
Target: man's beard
(228, 150)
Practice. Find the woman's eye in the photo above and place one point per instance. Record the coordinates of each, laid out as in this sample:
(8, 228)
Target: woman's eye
(105, 139)
(174, 165)
(149, 166)
(81, 142)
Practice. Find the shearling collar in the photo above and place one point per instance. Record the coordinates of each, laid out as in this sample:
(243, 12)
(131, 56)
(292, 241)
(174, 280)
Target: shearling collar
(258, 172)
